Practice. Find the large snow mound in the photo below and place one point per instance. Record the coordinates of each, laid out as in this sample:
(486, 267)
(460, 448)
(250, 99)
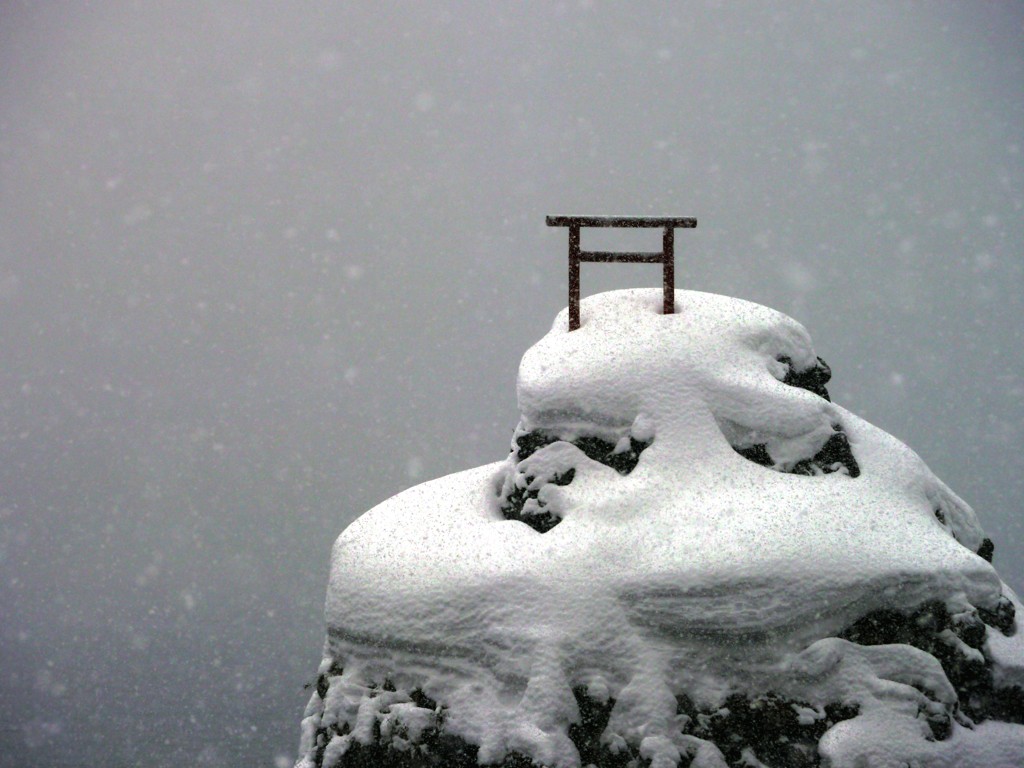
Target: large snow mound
(684, 516)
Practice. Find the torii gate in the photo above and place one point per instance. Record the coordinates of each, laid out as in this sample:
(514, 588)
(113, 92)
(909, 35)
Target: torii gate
(666, 258)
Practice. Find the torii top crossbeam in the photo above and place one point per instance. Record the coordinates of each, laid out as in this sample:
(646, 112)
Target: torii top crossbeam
(666, 257)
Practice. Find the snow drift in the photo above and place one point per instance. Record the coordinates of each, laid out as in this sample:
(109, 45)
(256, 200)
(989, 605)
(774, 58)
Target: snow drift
(691, 557)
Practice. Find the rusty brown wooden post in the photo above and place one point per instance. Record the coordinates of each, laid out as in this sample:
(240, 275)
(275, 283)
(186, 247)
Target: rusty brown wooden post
(577, 255)
(574, 276)
(668, 271)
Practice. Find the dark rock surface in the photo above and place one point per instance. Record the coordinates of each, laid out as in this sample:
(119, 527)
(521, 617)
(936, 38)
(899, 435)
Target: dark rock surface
(980, 699)
(524, 488)
(834, 456)
(812, 379)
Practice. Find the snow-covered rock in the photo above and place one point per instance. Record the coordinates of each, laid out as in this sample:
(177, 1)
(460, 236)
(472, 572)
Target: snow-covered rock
(691, 557)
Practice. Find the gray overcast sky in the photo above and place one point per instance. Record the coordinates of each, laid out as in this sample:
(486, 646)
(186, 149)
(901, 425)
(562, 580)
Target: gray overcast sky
(263, 265)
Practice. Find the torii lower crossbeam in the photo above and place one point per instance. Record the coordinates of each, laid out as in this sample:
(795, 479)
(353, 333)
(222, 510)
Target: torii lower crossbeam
(576, 255)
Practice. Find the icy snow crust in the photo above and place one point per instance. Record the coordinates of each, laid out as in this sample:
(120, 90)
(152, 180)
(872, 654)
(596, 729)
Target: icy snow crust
(699, 573)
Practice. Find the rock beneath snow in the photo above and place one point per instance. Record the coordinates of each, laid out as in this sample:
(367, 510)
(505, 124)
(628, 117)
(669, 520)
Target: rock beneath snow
(540, 459)
(691, 557)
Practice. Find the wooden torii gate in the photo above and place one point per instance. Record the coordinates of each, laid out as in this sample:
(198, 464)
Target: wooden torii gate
(666, 257)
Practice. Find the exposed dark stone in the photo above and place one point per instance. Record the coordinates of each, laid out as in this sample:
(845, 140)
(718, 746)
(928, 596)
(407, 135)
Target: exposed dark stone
(515, 503)
(435, 748)
(888, 626)
(757, 454)
(448, 750)
(586, 735)
(939, 723)
(969, 627)
(1002, 616)
(768, 725)
(594, 716)
(812, 379)
(442, 752)
(525, 444)
(604, 452)
(972, 679)
(986, 550)
(1007, 704)
(835, 455)
(420, 699)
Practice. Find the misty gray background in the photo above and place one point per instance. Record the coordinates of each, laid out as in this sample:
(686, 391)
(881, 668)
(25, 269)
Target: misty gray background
(264, 265)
